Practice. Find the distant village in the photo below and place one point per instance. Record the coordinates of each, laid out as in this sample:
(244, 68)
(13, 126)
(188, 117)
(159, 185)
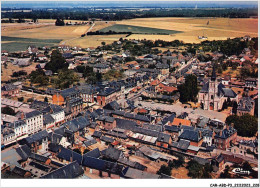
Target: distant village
(167, 114)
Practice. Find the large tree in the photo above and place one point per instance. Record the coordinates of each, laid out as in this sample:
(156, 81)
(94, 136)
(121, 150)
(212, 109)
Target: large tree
(65, 79)
(8, 110)
(189, 90)
(165, 170)
(39, 77)
(57, 62)
(197, 170)
(246, 125)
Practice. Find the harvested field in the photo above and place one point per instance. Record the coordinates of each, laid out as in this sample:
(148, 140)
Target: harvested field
(94, 40)
(49, 32)
(217, 29)
(185, 29)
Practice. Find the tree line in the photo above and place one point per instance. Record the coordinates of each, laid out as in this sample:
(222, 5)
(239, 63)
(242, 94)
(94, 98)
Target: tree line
(112, 14)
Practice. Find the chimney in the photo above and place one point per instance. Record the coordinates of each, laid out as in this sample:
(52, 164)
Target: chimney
(22, 115)
(71, 157)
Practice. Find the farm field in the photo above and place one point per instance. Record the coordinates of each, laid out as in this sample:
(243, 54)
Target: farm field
(138, 29)
(16, 37)
(94, 40)
(216, 29)
(13, 44)
(185, 29)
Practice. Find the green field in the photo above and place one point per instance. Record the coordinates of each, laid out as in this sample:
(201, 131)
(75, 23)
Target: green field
(14, 44)
(138, 29)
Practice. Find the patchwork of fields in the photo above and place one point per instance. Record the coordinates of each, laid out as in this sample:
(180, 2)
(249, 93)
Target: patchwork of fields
(13, 44)
(138, 29)
(185, 29)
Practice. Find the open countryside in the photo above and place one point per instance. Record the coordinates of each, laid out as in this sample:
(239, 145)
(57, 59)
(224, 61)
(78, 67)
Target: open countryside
(168, 29)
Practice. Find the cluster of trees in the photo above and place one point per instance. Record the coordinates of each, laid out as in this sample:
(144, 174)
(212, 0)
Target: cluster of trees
(172, 164)
(228, 103)
(113, 74)
(110, 32)
(197, 170)
(246, 125)
(245, 166)
(248, 69)
(65, 78)
(57, 62)
(8, 110)
(189, 90)
(19, 73)
(227, 47)
(117, 14)
(38, 77)
(87, 71)
(59, 22)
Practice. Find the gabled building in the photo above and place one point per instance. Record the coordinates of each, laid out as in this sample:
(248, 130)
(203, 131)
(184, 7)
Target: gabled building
(9, 90)
(213, 94)
(61, 97)
(246, 105)
(37, 141)
(224, 138)
(34, 121)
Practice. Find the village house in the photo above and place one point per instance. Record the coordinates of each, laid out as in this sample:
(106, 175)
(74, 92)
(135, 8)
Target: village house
(106, 122)
(164, 140)
(60, 97)
(224, 138)
(34, 121)
(251, 83)
(190, 134)
(106, 96)
(9, 90)
(101, 68)
(246, 148)
(246, 105)
(38, 142)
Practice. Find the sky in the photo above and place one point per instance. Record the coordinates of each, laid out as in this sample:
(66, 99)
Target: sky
(139, 4)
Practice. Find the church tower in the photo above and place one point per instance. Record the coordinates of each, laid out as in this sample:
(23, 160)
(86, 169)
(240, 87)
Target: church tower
(213, 91)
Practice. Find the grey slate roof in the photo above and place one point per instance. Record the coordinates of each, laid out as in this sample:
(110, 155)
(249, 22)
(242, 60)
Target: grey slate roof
(112, 153)
(36, 137)
(190, 135)
(107, 139)
(72, 170)
(227, 92)
(226, 133)
(162, 137)
(24, 151)
(32, 114)
(102, 165)
(48, 119)
(20, 171)
(132, 173)
(67, 154)
(245, 104)
(95, 153)
(183, 144)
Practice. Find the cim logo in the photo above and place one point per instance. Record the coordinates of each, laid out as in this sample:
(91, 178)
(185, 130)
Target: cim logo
(241, 171)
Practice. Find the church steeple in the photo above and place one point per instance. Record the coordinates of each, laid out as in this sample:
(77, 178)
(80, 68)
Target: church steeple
(213, 76)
